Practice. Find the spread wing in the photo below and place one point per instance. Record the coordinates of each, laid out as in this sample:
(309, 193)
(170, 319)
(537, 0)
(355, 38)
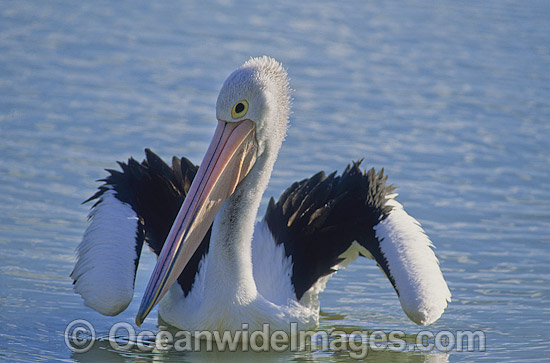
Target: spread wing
(137, 204)
(326, 222)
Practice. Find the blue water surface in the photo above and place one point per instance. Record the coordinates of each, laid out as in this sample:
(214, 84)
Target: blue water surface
(450, 98)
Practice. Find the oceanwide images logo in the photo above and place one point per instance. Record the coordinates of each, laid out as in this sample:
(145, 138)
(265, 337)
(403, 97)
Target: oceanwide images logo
(80, 337)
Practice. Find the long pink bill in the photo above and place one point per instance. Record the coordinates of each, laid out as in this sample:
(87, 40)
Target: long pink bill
(230, 156)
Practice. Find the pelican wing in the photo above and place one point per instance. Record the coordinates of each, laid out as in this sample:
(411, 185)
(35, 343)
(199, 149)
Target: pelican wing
(134, 205)
(325, 222)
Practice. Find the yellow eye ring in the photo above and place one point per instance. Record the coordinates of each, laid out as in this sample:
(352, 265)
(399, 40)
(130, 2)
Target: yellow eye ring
(239, 109)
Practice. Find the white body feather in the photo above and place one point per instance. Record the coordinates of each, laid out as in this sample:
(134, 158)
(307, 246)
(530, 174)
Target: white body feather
(274, 302)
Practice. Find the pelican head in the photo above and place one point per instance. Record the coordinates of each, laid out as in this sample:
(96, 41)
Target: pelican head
(252, 111)
(257, 91)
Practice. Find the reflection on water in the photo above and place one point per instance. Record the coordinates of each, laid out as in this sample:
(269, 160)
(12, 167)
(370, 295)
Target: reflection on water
(105, 353)
(450, 98)
(335, 348)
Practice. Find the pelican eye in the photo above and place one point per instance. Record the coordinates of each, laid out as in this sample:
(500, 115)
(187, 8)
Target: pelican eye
(239, 109)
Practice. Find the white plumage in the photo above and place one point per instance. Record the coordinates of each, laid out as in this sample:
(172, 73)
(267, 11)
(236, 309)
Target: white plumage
(423, 293)
(105, 271)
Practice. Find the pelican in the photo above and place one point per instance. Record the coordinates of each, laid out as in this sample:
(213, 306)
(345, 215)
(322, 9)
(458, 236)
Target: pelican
(218, 268)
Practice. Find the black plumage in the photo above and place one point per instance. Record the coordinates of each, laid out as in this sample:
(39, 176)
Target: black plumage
(316, 219)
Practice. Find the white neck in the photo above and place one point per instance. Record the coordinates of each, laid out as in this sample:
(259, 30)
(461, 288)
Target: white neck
(229, 269)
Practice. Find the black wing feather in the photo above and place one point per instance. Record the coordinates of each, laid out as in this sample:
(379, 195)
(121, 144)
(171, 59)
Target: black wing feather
(317, 219)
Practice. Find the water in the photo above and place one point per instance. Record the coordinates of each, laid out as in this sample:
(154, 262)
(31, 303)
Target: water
(451, 98)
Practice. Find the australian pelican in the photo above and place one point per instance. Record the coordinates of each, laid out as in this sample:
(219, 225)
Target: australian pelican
(216, 267)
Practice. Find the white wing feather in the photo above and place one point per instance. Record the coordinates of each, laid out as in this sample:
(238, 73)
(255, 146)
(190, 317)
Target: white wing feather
(423, 292)
(105, 271)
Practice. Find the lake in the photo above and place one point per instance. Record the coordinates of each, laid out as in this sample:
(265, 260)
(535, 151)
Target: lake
(450, 98)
